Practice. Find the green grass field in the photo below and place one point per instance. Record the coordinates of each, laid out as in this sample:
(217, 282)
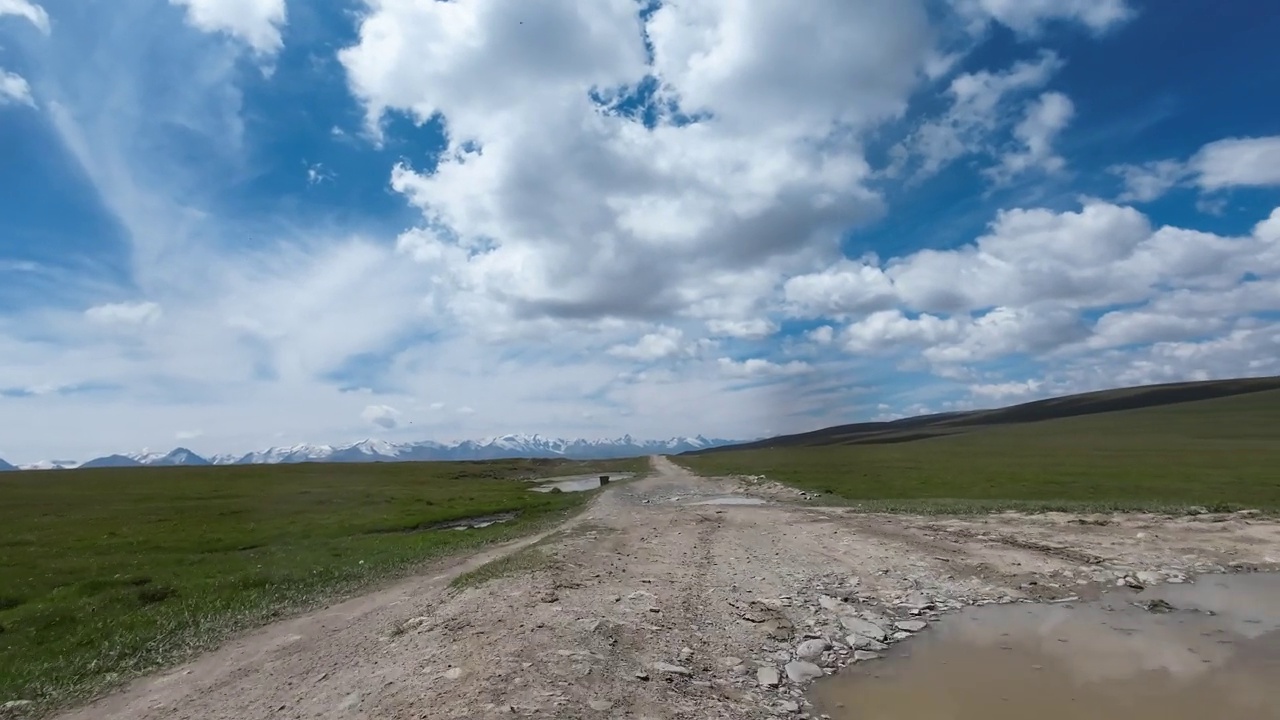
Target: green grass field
(1216, 453)
(106, 574)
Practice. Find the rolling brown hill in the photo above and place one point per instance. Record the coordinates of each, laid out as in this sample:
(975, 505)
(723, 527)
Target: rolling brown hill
(927, 426)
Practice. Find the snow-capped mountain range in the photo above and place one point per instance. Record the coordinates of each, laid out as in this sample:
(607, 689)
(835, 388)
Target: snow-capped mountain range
(506, 446)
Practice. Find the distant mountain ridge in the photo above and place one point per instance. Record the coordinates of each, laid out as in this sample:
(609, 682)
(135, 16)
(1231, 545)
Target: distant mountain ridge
(49, 465)
(494, 448)
(111, 461)
(177, 456)
(505, 446)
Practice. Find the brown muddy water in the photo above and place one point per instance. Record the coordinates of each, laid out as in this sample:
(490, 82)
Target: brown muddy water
(1215, 655)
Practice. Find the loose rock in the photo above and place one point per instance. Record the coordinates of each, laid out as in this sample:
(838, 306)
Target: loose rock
(911, 625)
(865, 628)
(859, 642)
(800, 671)
(1156, 606)
(862, 655)
(810, 649)
(15, 708)
(600, 705)
(831, 604)
(768, 677)
(672, 669)
(413, 623)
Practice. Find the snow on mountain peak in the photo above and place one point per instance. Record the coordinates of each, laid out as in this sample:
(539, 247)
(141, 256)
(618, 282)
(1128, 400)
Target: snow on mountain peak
(376, 447)
(146, 455)
(373, 450)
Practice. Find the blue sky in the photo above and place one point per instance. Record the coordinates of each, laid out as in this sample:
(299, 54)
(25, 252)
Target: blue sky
(229, 224)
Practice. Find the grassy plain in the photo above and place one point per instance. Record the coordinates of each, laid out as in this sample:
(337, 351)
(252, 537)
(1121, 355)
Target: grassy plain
(1220, 453)
(106, 574)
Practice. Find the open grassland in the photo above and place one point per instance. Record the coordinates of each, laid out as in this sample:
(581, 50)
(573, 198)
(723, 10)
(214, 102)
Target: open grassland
(106, 574)
(1221, 453)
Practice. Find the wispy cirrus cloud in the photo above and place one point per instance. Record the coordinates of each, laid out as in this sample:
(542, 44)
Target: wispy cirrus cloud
(25, 9)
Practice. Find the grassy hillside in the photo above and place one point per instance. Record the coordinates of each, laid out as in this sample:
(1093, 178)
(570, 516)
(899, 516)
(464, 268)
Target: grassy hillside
(1224, 451)
(108, 573)
(1103, 401)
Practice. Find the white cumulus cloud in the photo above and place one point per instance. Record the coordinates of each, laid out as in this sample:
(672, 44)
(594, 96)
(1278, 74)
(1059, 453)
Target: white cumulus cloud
(1238, 162)
(383, 416)
(760, 368)
(1007, 391)
(1219, 165)
(665, 343)
(1025, 286)
(1045, 119)
(753, 329)
(255, 22)
(635, 221)
(979, 105)
(823, 335)
(14, 89)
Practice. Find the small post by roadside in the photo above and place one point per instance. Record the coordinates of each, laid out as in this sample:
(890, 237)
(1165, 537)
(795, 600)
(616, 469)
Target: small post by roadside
(604, 479)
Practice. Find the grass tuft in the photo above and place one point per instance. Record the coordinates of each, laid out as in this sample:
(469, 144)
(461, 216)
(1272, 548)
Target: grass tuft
(151, 594)
(525, 560)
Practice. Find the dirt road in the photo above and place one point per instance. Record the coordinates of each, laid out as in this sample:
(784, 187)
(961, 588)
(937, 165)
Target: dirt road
(664, 601)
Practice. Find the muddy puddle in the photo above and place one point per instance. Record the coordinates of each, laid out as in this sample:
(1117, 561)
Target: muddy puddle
(731, 500)
(1215, 654)
(577, 483)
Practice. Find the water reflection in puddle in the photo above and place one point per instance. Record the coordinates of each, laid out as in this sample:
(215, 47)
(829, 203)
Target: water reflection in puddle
(1216, 656)
(577, 483)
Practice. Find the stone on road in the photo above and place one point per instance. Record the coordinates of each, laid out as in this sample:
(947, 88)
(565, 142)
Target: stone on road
(670, 669)
(801, 671)
(865, 628)
(811, 649)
